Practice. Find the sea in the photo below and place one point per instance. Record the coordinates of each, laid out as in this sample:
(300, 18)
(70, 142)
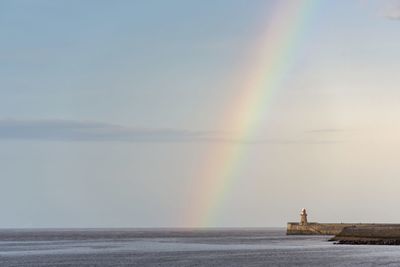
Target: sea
(183, 247)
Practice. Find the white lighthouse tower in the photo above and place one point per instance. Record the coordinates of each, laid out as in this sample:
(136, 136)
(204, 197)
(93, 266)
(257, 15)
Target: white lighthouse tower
(303, 217)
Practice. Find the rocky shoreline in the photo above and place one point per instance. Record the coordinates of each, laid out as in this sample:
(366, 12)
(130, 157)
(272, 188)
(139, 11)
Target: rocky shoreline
(391, 242)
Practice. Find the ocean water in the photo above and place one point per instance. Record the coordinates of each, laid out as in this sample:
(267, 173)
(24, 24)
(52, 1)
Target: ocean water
(183, 247)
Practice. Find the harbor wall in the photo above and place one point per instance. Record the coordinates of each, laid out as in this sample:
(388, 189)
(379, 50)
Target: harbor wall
(313, 228)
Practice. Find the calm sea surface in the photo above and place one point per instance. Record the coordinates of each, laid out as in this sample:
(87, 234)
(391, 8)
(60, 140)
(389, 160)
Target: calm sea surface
(177, 247)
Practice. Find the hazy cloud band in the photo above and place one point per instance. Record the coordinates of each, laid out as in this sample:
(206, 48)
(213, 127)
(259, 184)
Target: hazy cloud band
(69, 130)
(66, 130)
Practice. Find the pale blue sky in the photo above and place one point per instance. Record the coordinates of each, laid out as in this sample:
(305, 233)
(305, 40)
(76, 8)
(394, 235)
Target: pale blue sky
(108, 109)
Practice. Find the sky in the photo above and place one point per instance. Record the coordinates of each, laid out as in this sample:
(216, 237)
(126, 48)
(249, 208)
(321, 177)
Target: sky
(111, 110)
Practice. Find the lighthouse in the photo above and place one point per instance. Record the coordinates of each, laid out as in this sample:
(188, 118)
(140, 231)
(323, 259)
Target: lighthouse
(303, 217)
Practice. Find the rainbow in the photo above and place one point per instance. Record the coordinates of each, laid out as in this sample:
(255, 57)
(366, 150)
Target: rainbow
(275, 53)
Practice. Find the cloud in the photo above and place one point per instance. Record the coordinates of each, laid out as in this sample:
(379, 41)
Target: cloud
(68, 130)
(89, 131)
(393, 13)
(390, 9)
(325, 130)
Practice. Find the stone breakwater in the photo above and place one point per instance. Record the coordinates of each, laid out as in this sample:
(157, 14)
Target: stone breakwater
(314, 228)
(376, 234)
(350, 233)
